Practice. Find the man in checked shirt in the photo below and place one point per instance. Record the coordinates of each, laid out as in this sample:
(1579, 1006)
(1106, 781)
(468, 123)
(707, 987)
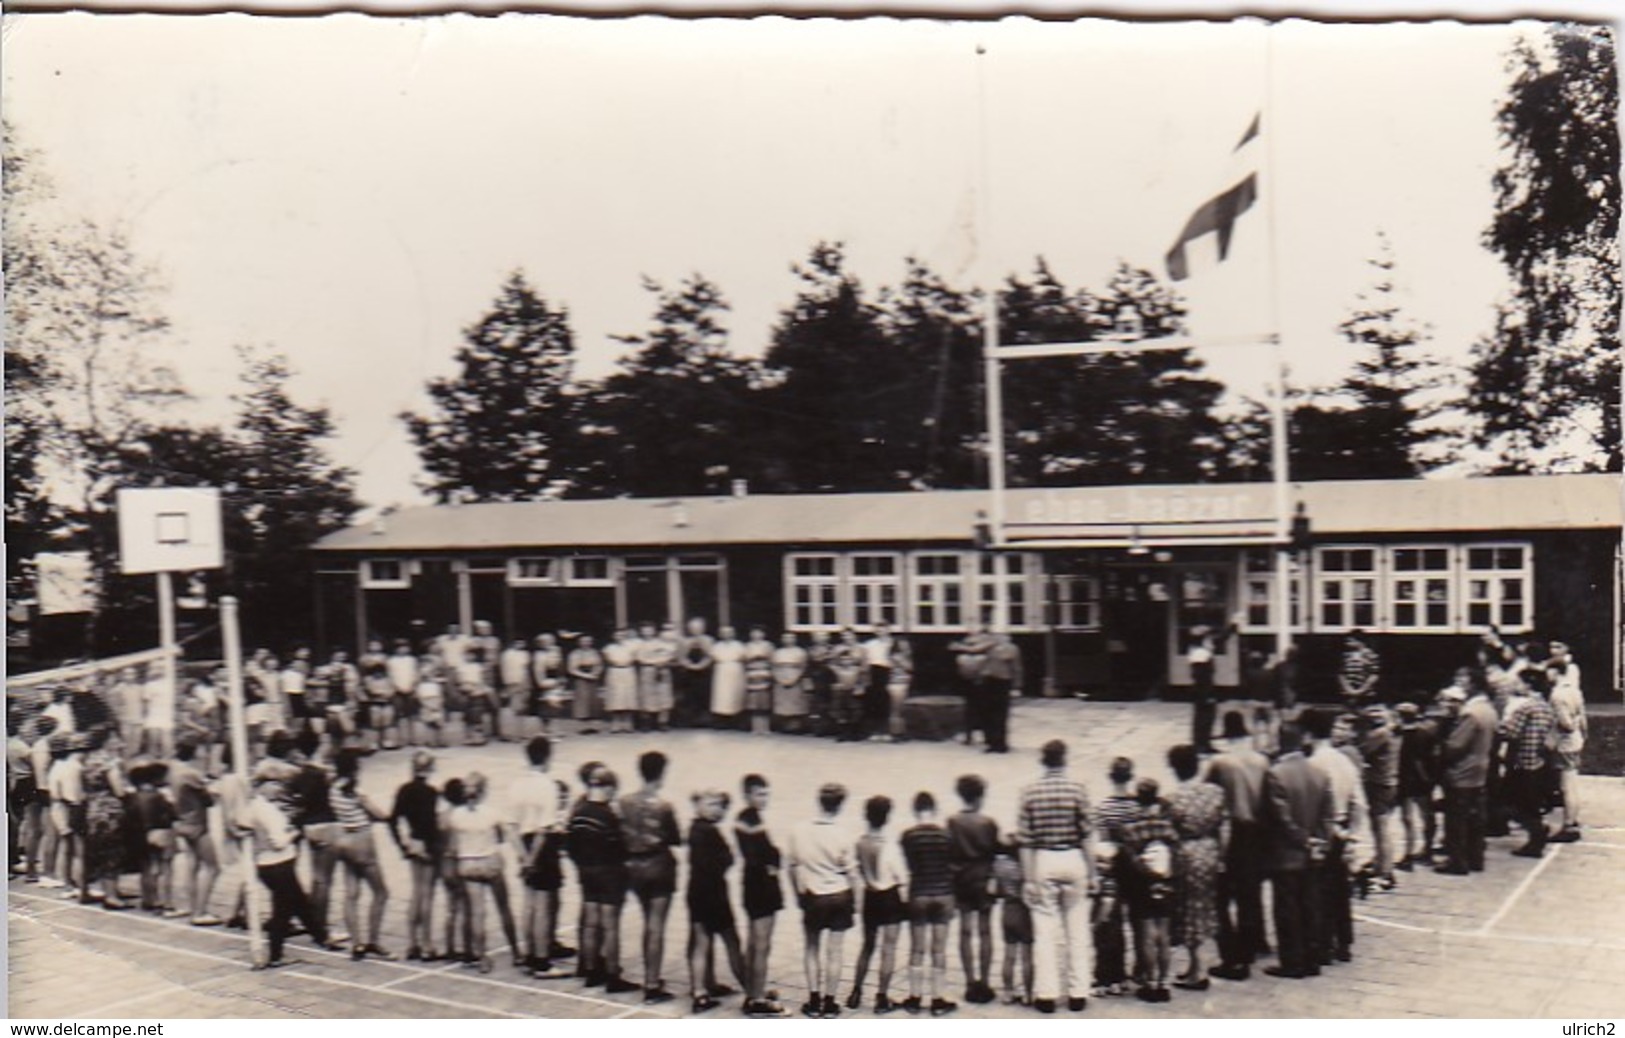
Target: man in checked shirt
(1058, 859)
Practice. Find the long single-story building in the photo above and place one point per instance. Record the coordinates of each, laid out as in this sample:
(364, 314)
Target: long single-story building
(1425, 566)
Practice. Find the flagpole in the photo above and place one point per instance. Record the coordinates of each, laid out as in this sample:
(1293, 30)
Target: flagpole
(1280, 453)
(992, 371)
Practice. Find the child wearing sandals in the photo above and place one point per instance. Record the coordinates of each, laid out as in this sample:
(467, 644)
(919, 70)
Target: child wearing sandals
(709, 911)
(1016, 920)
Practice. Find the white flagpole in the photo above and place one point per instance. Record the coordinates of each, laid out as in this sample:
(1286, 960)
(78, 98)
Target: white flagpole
(992, 371)
(1280, 453)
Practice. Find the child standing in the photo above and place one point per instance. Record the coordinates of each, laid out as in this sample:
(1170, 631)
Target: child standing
(763, 894)
(431, 709)
(880, 863)
(1149, 846)
(930, 905)
(710, 915)
(1016, 920)
(157, 818)
(972, 839)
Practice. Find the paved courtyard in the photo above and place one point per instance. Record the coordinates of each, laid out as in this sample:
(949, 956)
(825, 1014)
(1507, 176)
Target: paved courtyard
(1524, 939)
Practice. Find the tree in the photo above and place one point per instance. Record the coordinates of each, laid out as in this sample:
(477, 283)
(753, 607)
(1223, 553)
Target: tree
(497, 428)
(1130, 417)
(677, 418)
(1546, 382)
(280, 491)
(836, 378)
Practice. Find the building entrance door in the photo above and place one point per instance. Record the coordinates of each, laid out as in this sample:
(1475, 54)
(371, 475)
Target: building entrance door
(1136, 617)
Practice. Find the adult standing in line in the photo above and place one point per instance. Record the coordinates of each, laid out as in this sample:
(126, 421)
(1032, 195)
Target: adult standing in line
(539, 838)
(758, 680)
(64, 783)
(421, 844)
(1298, 822)
(848, 666)
(762, 890)
(402, 668)
(585, 665)
(821, 684)
(106, 843)
(547, 691)
(620, 682)
(649, 829)
(311, 811)
(1359, 672)
(377, 698)
(1197, 810)
(970, 662)
(1239, 770)
(514, 699)
(1054, 828)
(40, 850)
(158, 722)
(877, 654)
(1465, 758)
(1002, 678)
(1201, 653)
(824, 874)
(727, 679)
(789, 684)
(1569, 711)
(654, 659)
(1349, 809)
(1530, 736)
(666, 655)
(693, 674)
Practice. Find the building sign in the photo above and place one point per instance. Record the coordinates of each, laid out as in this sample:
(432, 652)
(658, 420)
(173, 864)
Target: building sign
(1243, 505)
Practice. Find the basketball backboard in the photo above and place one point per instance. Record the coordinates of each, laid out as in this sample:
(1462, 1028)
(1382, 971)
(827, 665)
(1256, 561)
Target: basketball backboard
(169, 529)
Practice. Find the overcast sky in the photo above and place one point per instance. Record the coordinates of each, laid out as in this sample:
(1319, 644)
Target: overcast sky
(353, 191)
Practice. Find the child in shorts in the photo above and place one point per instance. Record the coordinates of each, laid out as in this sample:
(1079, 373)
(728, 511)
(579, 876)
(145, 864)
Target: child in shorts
(880, 864)
(709, 912)
(930, 907)
(972, 838)
(157, 818)
(1015, 919)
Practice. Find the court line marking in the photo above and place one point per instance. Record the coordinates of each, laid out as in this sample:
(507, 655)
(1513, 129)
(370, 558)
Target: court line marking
(1518, 891)
(292, 971)
(122, 1003)
(410, 971)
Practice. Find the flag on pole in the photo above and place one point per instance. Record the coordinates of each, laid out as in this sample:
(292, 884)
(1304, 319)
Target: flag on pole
(1216, 216)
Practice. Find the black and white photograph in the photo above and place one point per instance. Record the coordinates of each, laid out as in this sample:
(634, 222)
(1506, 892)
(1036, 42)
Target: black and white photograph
(948, 515)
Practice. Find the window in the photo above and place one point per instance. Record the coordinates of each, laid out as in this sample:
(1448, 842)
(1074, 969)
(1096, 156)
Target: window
(1010, 571)
(1420, 588)
(1346, 581)
(939, 592)
(1258, 593)
(876, 584)
(1498, 581)
(814, 587)
(1077, 602)
(533, 572)
(385, 574)
(587, 571)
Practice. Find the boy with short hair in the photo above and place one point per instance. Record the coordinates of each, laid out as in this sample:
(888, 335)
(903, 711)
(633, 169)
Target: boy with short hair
(822, 872)
(880, 863)
(973, 838)
(710, 915)
(930, 904)
(763, 894)
(1015, 919)
(650, 827)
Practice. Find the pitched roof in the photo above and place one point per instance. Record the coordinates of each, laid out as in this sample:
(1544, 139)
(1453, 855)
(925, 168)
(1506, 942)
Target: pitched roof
(1513, 503)
(1344, 507)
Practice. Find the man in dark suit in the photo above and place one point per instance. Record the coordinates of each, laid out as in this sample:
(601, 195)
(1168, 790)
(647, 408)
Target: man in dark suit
(1465, 756)
(1298, 814)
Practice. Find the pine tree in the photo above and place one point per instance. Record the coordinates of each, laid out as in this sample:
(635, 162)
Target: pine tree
(498, 429)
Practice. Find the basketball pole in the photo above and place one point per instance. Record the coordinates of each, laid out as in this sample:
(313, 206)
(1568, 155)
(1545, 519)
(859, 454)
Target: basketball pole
(166, 632)
(238, 718)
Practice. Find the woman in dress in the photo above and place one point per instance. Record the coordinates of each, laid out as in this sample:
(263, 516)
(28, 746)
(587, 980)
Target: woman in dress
(790, 684)
(373, 711)
(758, 680)
(620, 682)
(1198, 813)
(655, 655)
(820, 680)
(358, 854)
(477, 832)
(897, 687)
(547, 664)
(585, 665)
(727, 678)
(114, 841)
